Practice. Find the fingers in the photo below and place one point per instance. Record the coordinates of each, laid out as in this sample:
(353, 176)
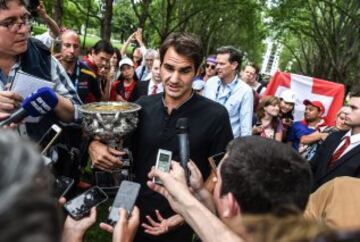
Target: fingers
(193, 168)
(151, 221)
(106, 227)
(134, 220)
(62, 201)
(9, 100)
(158, 215)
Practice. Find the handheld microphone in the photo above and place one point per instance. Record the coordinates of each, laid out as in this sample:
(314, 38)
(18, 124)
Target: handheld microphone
(184, 148)
(39, 103)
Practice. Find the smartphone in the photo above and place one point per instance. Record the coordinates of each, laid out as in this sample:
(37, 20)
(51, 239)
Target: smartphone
(163, 161)
(49, 138)
(62, 185)
(125, 198)
(80, 206)
(56, 47)
(33, 4)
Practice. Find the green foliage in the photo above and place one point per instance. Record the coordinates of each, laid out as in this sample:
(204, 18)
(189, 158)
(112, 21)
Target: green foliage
(320, 37)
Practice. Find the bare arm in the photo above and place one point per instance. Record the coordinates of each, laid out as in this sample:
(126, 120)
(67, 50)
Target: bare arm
(54, 28)
(205, 223)
(64, 109)
(126, 44)
(311, 138)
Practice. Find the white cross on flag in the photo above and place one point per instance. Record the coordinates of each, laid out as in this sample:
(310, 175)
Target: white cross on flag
(331, 94)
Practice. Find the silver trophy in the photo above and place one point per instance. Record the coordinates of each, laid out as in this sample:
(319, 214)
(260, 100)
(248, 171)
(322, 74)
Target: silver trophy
(111, 122)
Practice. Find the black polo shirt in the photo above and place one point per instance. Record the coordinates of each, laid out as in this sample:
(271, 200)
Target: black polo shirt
(209, 132)
(86, 84)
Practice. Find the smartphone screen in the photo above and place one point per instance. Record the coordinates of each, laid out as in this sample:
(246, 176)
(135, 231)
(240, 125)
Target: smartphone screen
(81, 205)
(49, 138)
(163, 162)
(62, 185)
(125, 198)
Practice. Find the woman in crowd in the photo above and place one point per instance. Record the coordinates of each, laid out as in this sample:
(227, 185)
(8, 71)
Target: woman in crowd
(104, 78)
(268, 123)
(114, 64)
(124, 89)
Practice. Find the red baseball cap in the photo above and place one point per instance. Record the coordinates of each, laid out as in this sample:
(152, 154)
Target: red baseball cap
(317, 104)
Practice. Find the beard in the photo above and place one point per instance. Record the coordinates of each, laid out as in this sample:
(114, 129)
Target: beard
(69, 59)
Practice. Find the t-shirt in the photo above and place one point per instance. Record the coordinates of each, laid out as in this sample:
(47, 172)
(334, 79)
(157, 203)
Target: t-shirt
(269, 131)
(85, 83)
(296, 131)
(209, 132)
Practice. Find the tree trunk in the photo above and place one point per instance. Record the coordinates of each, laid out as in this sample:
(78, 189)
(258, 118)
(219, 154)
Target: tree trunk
(58, 11)
(106, 20)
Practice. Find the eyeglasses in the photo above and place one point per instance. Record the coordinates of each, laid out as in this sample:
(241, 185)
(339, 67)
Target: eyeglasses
(13, 26)
(212, 67)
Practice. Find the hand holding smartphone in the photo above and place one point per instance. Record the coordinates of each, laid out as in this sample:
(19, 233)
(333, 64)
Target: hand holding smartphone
(163, 162)
(125, 198)
(80, 206)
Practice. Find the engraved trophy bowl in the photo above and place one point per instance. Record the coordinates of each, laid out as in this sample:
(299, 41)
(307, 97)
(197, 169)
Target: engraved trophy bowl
(111, 122)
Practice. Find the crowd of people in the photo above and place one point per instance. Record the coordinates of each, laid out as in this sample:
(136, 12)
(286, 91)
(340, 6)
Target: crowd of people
(277, 179)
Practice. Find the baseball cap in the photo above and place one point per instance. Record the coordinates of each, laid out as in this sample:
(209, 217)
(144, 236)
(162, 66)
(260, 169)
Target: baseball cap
(211, 59)
(288, 96)
(317, 104)
(126, 61)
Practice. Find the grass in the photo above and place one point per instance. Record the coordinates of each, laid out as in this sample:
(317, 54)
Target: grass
(89, 41)
(95, 234)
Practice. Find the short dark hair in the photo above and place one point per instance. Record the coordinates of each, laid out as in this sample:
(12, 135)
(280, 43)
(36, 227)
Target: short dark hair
(253, 65)
(265, 176)
(234, 54)
(4, 3)
(103, 46)
(355, 91)
(26, 210)
(185, 44)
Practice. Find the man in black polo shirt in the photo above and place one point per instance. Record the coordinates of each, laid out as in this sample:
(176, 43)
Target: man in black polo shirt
(208, 127)
(82, 77)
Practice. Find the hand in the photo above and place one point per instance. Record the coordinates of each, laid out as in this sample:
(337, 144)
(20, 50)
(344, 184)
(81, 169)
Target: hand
(74, 230)
(174, 187)
(104, 157)
(196, 179)
(163, 226)
(9, 101)
(258, 129)
(138, 36)
(131, 37)
(323, 136)
(125, 229)
(287, 122)
(41, 10)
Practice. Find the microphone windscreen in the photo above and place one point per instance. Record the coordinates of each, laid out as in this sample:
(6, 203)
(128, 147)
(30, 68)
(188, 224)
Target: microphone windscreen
(41, 102)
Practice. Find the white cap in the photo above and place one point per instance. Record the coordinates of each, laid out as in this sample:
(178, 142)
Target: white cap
(198, 85)
(288, 96)
(126, 61)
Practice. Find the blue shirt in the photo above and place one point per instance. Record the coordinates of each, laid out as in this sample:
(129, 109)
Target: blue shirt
(238, 99)
(296, 131)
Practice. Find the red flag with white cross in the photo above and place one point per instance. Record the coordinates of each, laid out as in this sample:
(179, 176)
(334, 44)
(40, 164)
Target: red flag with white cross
(331, 94)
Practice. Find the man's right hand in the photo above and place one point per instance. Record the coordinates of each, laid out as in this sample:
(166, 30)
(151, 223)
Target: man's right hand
(104, 157)
(9, 101)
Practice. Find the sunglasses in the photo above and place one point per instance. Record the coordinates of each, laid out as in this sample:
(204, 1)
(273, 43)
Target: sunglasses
(212, 67)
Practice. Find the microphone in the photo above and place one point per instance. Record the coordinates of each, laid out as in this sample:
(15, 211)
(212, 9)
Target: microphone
(184, 148)
(41, 102)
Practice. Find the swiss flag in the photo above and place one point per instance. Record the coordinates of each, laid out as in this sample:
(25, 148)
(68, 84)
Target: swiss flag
(331, 94)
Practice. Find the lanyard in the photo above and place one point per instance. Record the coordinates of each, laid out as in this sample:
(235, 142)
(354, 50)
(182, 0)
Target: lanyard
(77, 73)
(228, 95)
